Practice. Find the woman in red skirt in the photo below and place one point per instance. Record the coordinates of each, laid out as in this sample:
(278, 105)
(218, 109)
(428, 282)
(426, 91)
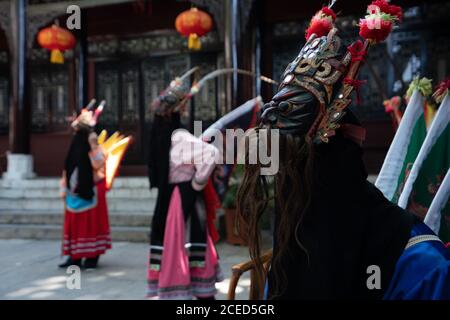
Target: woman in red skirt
(86, 225)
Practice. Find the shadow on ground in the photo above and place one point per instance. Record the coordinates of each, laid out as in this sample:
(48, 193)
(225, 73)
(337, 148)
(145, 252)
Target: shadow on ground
(28, 270)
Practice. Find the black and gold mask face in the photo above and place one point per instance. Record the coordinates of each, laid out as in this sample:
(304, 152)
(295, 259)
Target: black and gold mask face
(292, 110)
(309, 84)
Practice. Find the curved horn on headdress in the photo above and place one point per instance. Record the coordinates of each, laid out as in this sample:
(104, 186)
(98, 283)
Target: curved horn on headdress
(99, 110)
(91, 104)
(332, 4)
(231, 117)
(322, 22)
(189, 73)
(197, 86)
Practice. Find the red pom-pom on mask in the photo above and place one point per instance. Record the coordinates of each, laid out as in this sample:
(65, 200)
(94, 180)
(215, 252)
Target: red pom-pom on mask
(321, 23)
(319, 27)
(375, 30)
(392, 10)
(328, 12)
(378, 24)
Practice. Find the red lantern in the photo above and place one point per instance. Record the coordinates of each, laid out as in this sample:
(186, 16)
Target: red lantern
(193, 23)
(57, 40)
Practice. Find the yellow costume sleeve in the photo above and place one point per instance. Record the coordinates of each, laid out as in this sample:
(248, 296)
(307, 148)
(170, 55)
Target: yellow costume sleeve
(115, 147)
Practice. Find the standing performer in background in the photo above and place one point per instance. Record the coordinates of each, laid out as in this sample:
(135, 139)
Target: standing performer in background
(89, 170)
(183, 260)
(336, 236)
(180, 166)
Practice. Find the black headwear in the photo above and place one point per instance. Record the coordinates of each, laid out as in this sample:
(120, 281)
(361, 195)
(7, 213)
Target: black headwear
(78, 159)
(349, 226)
(160, 143)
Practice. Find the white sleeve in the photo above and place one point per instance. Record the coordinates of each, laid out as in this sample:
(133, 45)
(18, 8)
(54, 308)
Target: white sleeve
(204, 162)
(188, 149)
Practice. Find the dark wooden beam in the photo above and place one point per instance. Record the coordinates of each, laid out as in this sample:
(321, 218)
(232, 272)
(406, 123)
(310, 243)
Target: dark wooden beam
(246, 58)
(125, 19)
(19, 128)
(91, 80)
(266, 54)
(3, 41)
(288, 10)
(228, 53)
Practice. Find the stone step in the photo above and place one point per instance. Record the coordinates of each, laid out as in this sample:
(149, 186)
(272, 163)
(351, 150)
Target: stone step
(114, 204)
(53, 232)
(53, 193)
(53, 183)
(142, 219)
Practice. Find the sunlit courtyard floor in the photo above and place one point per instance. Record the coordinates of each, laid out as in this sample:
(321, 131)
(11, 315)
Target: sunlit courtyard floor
(28, 270)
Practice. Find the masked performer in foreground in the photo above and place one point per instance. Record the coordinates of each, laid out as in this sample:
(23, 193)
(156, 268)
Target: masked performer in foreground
(90, 168)
(336, 236)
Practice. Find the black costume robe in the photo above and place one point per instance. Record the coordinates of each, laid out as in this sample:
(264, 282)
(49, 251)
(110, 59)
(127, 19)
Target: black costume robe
(349, 227)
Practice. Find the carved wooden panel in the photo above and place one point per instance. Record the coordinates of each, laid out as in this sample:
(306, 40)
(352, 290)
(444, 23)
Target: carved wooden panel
(40, 100)
(205, 102)
(176, 65)
(59, 98)
(154, 82)
(107, 87)
(49, 97)
(130, 94)
(158, 42)
(221, 90)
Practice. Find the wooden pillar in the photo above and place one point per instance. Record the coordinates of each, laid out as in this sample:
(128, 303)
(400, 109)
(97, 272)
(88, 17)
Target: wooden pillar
(19, 129)
(91, 80)
(257, 45)
(19, 159)
(230, 7)
(247, 61)
(82, 64)
(71, 90)
(266, 53)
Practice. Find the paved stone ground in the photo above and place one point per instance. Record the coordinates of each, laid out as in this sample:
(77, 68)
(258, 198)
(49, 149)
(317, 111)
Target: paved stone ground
(28, 270)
